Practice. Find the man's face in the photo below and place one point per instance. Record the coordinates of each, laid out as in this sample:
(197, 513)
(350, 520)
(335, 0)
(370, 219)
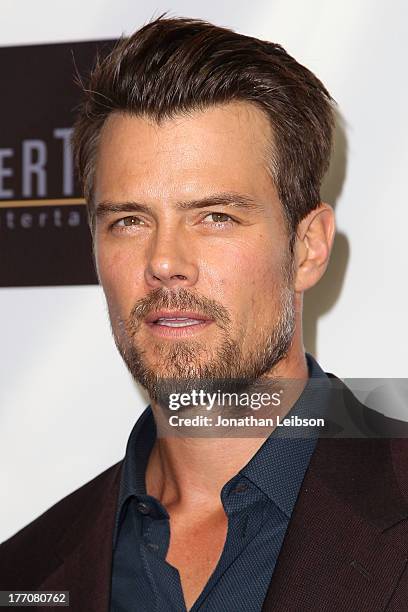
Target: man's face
(196, 233)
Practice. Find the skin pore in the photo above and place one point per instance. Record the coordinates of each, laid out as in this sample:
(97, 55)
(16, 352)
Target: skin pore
(188, 218)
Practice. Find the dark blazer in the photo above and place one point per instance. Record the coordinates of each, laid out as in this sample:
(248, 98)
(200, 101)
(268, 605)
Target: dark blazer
(346, 547)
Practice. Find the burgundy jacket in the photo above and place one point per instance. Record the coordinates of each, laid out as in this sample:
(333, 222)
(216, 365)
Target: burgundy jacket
(346, 547)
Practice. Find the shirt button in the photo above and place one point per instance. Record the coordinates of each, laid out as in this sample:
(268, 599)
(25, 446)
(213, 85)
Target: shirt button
(143, 508)
(241, 487)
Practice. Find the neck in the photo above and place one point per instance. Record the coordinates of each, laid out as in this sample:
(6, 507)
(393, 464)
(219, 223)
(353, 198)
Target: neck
(189, 472)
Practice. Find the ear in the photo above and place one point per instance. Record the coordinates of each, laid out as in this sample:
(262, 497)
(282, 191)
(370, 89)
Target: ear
(314, 241)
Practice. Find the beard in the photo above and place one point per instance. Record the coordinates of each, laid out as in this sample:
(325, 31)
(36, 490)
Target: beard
(184, 365)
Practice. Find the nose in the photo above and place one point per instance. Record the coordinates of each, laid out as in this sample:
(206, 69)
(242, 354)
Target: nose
(170, 261)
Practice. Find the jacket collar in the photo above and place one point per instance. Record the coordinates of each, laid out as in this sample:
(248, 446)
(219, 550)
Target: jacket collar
(85, 550)
(342, 550)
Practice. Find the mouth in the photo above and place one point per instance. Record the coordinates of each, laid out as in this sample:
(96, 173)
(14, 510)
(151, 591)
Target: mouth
(176, 322)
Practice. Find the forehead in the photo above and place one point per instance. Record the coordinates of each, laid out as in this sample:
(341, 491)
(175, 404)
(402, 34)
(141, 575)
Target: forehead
(224, 147)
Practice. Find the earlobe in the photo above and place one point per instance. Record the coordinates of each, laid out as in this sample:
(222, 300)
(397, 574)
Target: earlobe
(315, 236)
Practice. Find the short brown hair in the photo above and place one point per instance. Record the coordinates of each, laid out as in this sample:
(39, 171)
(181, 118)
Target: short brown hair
(173, 66)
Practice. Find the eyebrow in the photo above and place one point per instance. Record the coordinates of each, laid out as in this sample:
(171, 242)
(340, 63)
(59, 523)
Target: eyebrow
(235, 200)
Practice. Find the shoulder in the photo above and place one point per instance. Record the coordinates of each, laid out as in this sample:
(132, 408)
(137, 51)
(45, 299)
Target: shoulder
(350, 418)
(361, 450)
(34, 546)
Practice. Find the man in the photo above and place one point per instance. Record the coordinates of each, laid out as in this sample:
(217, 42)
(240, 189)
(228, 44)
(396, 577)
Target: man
(201, 153)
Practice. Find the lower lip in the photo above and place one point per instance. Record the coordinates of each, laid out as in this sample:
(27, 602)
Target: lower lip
(164, 331)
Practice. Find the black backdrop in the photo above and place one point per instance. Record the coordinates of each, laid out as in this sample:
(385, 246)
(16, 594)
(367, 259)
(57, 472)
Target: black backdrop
(44, 235)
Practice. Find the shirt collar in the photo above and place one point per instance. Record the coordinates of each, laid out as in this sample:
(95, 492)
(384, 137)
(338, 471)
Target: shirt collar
(277, 468)
(280, 464)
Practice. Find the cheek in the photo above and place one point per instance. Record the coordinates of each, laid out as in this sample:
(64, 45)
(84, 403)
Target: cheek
(245, 277)
(120, 276)
(253, 268)
(266, 294)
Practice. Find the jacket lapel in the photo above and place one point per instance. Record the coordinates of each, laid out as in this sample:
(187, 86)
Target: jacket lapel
(86, 550)
(343, 549)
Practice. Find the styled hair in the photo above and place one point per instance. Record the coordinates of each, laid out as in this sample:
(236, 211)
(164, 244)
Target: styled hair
(173, 66)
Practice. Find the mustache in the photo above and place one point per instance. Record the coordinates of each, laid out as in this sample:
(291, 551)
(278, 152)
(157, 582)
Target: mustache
(178, 299)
